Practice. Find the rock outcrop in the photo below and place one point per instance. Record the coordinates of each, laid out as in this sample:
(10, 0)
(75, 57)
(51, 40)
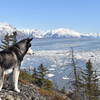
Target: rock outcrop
(30, 92)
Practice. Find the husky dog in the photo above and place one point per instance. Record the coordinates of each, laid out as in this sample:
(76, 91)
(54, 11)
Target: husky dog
(10, 61)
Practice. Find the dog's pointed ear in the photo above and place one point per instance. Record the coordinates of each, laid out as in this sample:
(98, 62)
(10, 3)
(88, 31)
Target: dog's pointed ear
(30, 39)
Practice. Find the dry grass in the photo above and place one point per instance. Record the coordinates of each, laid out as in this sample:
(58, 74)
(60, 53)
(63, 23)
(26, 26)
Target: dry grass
(45, 92)
(25, 78)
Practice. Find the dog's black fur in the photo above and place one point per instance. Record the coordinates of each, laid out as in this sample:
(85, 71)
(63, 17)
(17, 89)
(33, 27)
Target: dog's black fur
(19, 49)
(11, 58)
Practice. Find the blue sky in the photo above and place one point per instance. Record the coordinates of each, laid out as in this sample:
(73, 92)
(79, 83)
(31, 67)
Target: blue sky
(80, 15)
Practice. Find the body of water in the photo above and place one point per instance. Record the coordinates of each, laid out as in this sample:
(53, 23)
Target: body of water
(64, 44)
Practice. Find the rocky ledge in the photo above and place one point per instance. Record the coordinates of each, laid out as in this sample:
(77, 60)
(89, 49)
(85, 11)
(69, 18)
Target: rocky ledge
(28, 92)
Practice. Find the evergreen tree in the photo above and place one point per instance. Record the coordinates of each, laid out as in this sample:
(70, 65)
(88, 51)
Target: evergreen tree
(89, 82)
(76, 75)
(14, 37)
(42, 72)
(9, 40)
(5, 42)
(39, 75)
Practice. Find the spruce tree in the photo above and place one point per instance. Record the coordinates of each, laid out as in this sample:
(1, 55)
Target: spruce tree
(39, 75)
(76, 75)
(9, 40)
(5, 42)
(89, 82)
(14, 37)
(42, 71)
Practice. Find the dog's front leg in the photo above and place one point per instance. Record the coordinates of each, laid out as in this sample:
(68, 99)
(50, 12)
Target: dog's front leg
(15, 79)
(1, 81)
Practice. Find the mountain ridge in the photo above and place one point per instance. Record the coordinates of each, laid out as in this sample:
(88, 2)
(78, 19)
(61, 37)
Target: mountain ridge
(37, 33)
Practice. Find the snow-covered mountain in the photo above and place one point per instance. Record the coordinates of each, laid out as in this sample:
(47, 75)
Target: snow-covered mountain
(36, 33)
(6, 28)
(33, 32)
(9, 29)
(61, 33)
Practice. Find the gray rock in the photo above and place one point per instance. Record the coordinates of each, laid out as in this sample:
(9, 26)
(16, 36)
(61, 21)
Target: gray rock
(9, 97)
(28, 92)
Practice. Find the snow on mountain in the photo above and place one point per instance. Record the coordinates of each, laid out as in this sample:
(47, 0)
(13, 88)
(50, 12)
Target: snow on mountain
(90, 35)
(33, 32)
(62, 32)
(6, 28)
(9, 29)
(67, 32)
(36, 33)
(57, 33)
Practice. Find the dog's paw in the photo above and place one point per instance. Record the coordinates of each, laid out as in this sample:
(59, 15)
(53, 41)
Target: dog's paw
(0, 89)
(17, 90)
